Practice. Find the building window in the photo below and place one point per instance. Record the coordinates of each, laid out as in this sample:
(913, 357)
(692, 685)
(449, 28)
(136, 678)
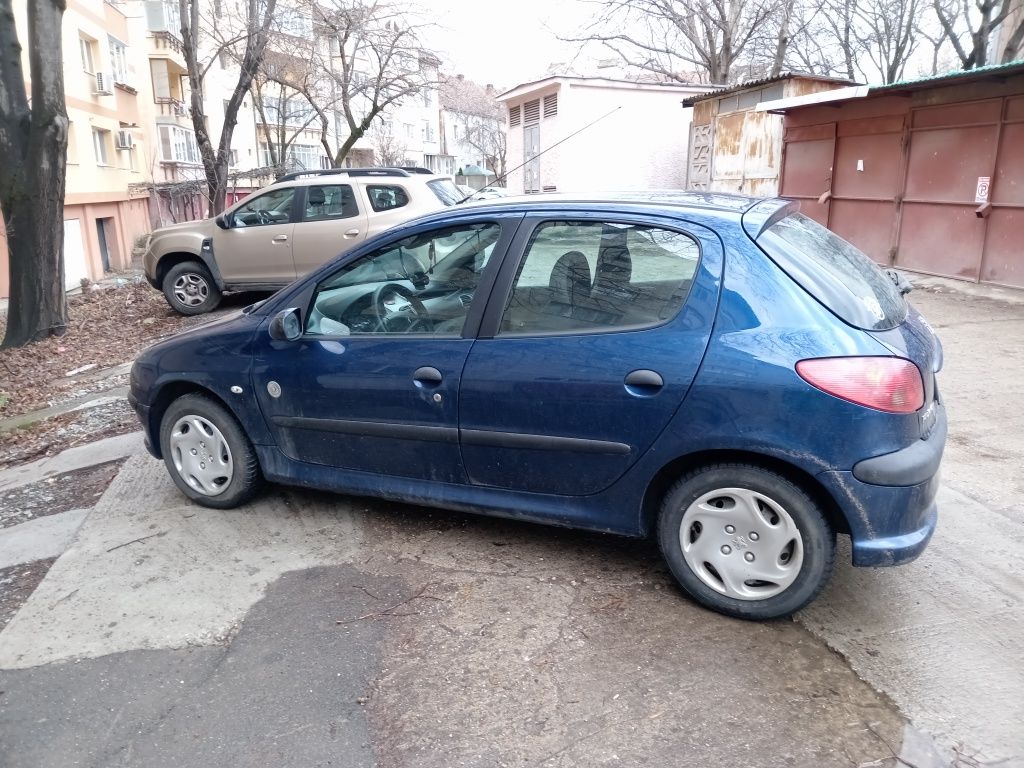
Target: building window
(118, 60)
(234, 157)
(163, 16)
(178, 145)
(426, 97)
(408, 130)
(295, 112)
(514, 116)
(299, 157)
(428, 131)
(88, 48)
(100, 146)
(293, 22)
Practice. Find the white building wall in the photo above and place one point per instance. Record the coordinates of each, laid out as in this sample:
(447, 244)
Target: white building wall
(638, 142)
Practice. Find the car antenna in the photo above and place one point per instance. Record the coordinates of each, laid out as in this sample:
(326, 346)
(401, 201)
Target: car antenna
(506, 174)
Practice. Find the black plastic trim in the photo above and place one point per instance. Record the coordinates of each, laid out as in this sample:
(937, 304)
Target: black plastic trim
(912, 465)
(541, 442)
(371, 428)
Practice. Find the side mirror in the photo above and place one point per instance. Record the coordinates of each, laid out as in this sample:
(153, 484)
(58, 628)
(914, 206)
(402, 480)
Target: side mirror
(221, 220)
(286, 325)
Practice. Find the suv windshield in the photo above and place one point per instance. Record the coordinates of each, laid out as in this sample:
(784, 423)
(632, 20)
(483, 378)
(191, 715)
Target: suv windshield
(446, 191)
(834, 272)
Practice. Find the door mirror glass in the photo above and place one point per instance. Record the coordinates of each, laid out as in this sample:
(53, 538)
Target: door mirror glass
(286, 325)
(221, 220)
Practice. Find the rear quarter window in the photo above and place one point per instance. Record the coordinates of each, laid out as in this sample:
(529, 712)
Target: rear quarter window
(835, 273)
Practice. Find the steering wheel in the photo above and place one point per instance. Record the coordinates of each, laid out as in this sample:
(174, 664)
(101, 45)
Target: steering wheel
(385, 320)
(264, 217)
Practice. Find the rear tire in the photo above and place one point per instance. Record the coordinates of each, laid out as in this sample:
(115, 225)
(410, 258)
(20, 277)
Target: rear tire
(208, 454)
(745, 541)
(190, 289)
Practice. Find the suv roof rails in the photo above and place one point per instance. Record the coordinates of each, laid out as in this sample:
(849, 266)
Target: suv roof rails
(348, 172)
(417, 169)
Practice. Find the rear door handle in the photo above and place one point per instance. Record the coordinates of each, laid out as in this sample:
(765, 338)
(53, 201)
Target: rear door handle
(644, 382)
(281, 239)
(427, 376)
(351, 233)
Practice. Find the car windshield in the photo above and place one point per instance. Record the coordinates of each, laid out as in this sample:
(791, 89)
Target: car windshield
(446, 191)
(835, 272)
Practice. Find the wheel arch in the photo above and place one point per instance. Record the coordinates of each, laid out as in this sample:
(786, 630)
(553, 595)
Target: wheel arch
(172, 259)
(167, 394)
(665, 477)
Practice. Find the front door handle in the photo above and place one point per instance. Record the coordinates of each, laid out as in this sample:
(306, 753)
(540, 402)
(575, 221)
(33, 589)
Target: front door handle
(643, 382)
(427, 376)
(281, 239)
(351, 233)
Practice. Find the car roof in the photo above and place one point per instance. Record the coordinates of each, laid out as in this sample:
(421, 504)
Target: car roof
(406, 173)
(670, 199)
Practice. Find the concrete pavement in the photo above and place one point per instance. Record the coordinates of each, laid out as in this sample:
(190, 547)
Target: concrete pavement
(169, 634)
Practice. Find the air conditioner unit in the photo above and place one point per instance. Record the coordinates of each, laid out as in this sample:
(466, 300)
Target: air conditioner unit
(125, 140)
(104, 83)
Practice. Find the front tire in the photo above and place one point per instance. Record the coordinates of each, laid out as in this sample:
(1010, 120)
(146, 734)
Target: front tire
(745, 541)
(190, 289)
(208, 454)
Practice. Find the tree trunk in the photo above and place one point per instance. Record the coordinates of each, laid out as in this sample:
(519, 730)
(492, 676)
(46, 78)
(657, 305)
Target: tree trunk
(33, 149)
(782, 42)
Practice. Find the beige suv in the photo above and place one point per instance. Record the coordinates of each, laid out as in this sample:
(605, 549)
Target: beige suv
(285, 230)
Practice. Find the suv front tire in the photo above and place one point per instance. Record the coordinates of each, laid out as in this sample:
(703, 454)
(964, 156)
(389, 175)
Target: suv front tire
(190, 289)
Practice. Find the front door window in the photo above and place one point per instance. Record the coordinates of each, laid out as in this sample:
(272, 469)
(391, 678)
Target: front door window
(273, 207)
(424, 284)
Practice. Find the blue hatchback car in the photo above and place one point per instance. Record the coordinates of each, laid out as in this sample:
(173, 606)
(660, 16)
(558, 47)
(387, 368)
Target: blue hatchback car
(719, 372)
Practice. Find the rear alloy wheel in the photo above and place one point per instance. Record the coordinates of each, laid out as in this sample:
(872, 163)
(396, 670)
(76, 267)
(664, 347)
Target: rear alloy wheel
(745, 541)
(190, 290)
(207, 454)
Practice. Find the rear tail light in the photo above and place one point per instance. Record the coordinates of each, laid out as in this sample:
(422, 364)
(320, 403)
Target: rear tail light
(889, 384)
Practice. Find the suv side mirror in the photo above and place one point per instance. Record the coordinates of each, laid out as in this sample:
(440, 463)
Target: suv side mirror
(221, 220)
(286, 325)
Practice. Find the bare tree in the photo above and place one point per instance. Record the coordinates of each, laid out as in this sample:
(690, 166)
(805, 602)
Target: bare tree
(388, 149)
(477, 119)
(374, 59)
(33, 154)
(889, 34)
(675, 38)
(203, 41)
(968, 25)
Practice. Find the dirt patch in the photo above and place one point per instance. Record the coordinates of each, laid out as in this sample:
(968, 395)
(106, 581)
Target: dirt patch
(17, 584)
(72, 490)
(105, 328)
(49, 437)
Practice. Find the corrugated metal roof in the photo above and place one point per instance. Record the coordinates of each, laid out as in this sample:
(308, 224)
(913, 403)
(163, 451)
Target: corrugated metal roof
(1010, 68)
(747, 84)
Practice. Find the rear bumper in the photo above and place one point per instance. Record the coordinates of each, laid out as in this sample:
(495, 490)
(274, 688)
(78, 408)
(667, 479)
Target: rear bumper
(912, 465)
(889, 525)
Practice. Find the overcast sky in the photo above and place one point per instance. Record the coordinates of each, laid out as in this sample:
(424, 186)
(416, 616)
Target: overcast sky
(504, 42)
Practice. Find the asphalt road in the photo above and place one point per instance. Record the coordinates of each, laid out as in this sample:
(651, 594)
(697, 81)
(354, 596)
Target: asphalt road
(311, 630)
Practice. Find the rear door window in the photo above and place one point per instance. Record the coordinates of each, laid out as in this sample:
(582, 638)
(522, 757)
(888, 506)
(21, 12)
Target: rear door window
(386, 197)
(835, 272)
(594, 276)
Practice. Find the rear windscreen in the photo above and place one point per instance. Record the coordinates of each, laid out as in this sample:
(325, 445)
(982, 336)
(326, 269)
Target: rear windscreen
(838, 275)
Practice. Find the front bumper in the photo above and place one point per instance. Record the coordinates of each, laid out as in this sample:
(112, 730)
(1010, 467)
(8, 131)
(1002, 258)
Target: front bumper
(142, 411)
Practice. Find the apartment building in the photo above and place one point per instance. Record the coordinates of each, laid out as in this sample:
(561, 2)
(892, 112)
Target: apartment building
(471, 127)
(105, 205)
